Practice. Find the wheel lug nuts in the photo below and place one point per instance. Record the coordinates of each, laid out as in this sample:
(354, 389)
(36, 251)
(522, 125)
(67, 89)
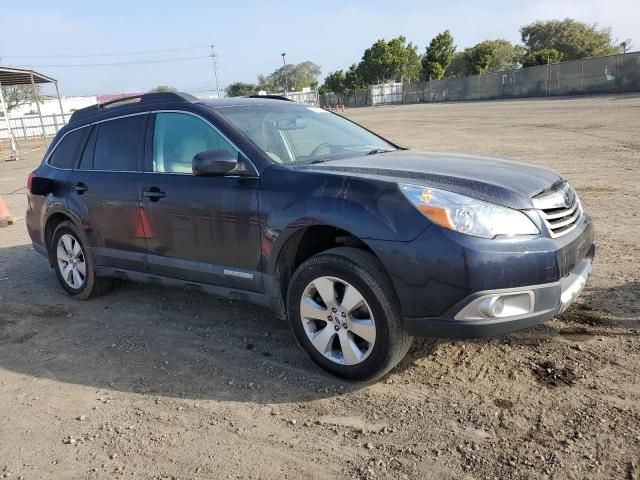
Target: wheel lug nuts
(337, 327)
(334, 309)
(344, 325)
(344, 314)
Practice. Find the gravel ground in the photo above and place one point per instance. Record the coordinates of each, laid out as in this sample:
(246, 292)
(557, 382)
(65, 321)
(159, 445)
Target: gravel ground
(159, 384)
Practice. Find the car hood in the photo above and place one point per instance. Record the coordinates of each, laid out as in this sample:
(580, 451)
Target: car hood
(503, 182)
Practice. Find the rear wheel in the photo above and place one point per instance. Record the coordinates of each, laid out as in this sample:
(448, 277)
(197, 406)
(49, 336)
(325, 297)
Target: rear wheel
(74, 264)
(345, 315)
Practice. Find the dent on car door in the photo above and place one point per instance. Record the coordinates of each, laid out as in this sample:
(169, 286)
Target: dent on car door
(199, 228)
(106, 192)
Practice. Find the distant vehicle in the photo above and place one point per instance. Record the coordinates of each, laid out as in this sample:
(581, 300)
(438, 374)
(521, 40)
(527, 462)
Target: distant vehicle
(359, 243)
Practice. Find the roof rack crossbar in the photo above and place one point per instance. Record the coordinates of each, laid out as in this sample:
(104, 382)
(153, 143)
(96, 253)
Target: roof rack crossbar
(272, 97)
(146, 98)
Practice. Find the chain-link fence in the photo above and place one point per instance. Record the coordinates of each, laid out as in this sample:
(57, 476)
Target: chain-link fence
(611, 74)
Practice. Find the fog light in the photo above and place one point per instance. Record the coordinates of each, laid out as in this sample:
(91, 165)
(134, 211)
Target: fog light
(499, 305)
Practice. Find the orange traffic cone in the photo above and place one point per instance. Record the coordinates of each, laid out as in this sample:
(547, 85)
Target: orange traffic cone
(5, 216)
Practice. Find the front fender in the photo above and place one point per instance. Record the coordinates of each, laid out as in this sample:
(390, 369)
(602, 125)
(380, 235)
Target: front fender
(369, 210)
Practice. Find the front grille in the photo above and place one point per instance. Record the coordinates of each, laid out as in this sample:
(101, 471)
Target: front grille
(560, 209)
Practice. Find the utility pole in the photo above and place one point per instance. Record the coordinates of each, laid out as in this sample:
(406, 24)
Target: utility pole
(284, 64)
(215, 71)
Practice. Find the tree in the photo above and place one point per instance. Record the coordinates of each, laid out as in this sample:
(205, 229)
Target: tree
(353, 79)
(297, 77)
(457, 67)
(240, 89)
(542, 57)
(492, 56)
(438, 56)
(573, 39)
(390, 61)
(162, 89)
(334, 83)
(17, 95)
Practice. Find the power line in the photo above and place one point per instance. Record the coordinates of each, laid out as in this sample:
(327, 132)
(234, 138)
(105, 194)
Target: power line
(122, 54)
(138, 62)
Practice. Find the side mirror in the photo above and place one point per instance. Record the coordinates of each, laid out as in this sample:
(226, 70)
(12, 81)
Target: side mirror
(214, 162)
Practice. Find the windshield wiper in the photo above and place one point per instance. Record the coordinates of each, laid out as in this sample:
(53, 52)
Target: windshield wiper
(375, 151)
(318, 160)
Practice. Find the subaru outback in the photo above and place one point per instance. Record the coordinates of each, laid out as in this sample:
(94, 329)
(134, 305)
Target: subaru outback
(359, 243)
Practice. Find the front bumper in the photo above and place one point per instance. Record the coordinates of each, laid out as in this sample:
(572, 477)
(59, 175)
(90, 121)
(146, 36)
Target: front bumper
(467, 319)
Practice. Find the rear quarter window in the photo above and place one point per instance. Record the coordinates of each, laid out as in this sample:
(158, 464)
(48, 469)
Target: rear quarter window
(65, 153)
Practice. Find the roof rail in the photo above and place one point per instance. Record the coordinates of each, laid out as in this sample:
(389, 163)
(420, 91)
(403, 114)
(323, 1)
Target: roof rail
(145, 99)
(272, 97)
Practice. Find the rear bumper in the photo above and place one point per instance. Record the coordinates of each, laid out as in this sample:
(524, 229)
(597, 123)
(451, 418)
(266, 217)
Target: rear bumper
(466, 319)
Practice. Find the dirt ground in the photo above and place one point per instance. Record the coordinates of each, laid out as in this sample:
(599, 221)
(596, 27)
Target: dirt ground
(159, 384)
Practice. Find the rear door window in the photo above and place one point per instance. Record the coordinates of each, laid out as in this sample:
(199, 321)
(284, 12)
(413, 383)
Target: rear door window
(65, 154)
(119, 144)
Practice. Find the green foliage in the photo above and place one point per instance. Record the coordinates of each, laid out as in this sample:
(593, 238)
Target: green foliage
(162, 88)
(438, 56)
(17, 95)
(294, 76)
(334, 83)
(352, 79)
(457, 67)
(390, 61)
(240, 89)
(573, 39)
(542, 57)
(492, 56)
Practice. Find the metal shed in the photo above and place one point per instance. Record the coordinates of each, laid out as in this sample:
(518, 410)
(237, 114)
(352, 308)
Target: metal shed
(10, 76)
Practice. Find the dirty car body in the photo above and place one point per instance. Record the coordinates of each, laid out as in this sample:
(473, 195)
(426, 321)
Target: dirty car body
(455, 245)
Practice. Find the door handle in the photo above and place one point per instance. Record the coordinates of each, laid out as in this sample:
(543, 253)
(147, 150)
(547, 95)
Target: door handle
(153, 194)
(80, 188)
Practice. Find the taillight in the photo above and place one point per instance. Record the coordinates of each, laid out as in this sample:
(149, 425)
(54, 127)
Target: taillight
(31, 175)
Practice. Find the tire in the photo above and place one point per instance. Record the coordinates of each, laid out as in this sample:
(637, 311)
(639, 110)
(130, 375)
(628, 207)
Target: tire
(68, 245)
(327, 333)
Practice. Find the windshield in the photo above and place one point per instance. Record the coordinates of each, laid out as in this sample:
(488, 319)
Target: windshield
(295, 133)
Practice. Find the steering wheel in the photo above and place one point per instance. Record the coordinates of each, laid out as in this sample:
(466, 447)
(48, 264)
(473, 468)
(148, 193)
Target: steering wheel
(319, 148)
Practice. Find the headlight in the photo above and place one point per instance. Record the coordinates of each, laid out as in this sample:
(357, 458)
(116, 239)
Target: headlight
(467, 215)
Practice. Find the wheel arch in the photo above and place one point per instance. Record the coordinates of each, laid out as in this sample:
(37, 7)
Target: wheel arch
(299, 245)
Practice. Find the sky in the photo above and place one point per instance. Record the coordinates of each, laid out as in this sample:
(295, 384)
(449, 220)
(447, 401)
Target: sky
(250, 35)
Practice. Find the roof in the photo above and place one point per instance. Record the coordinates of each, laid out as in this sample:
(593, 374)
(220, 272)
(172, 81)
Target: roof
(19, 76)
(251, 100)
(113, 107)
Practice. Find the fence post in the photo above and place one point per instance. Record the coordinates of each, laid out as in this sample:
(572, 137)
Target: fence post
(5, 115)
(581, 74)
(24, 130)
(37, 97)
(547, 75)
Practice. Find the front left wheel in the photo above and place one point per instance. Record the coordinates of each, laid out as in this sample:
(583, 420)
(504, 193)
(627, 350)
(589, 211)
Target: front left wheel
(74, 264)
(344, 313)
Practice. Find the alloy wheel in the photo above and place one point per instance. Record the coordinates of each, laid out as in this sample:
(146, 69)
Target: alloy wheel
(337, 320)
(71, 261)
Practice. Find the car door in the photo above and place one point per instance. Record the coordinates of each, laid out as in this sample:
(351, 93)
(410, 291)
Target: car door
(106, 192)
(203, 229)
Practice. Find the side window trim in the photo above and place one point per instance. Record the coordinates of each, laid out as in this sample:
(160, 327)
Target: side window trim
(95, 125)
(252, 171)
